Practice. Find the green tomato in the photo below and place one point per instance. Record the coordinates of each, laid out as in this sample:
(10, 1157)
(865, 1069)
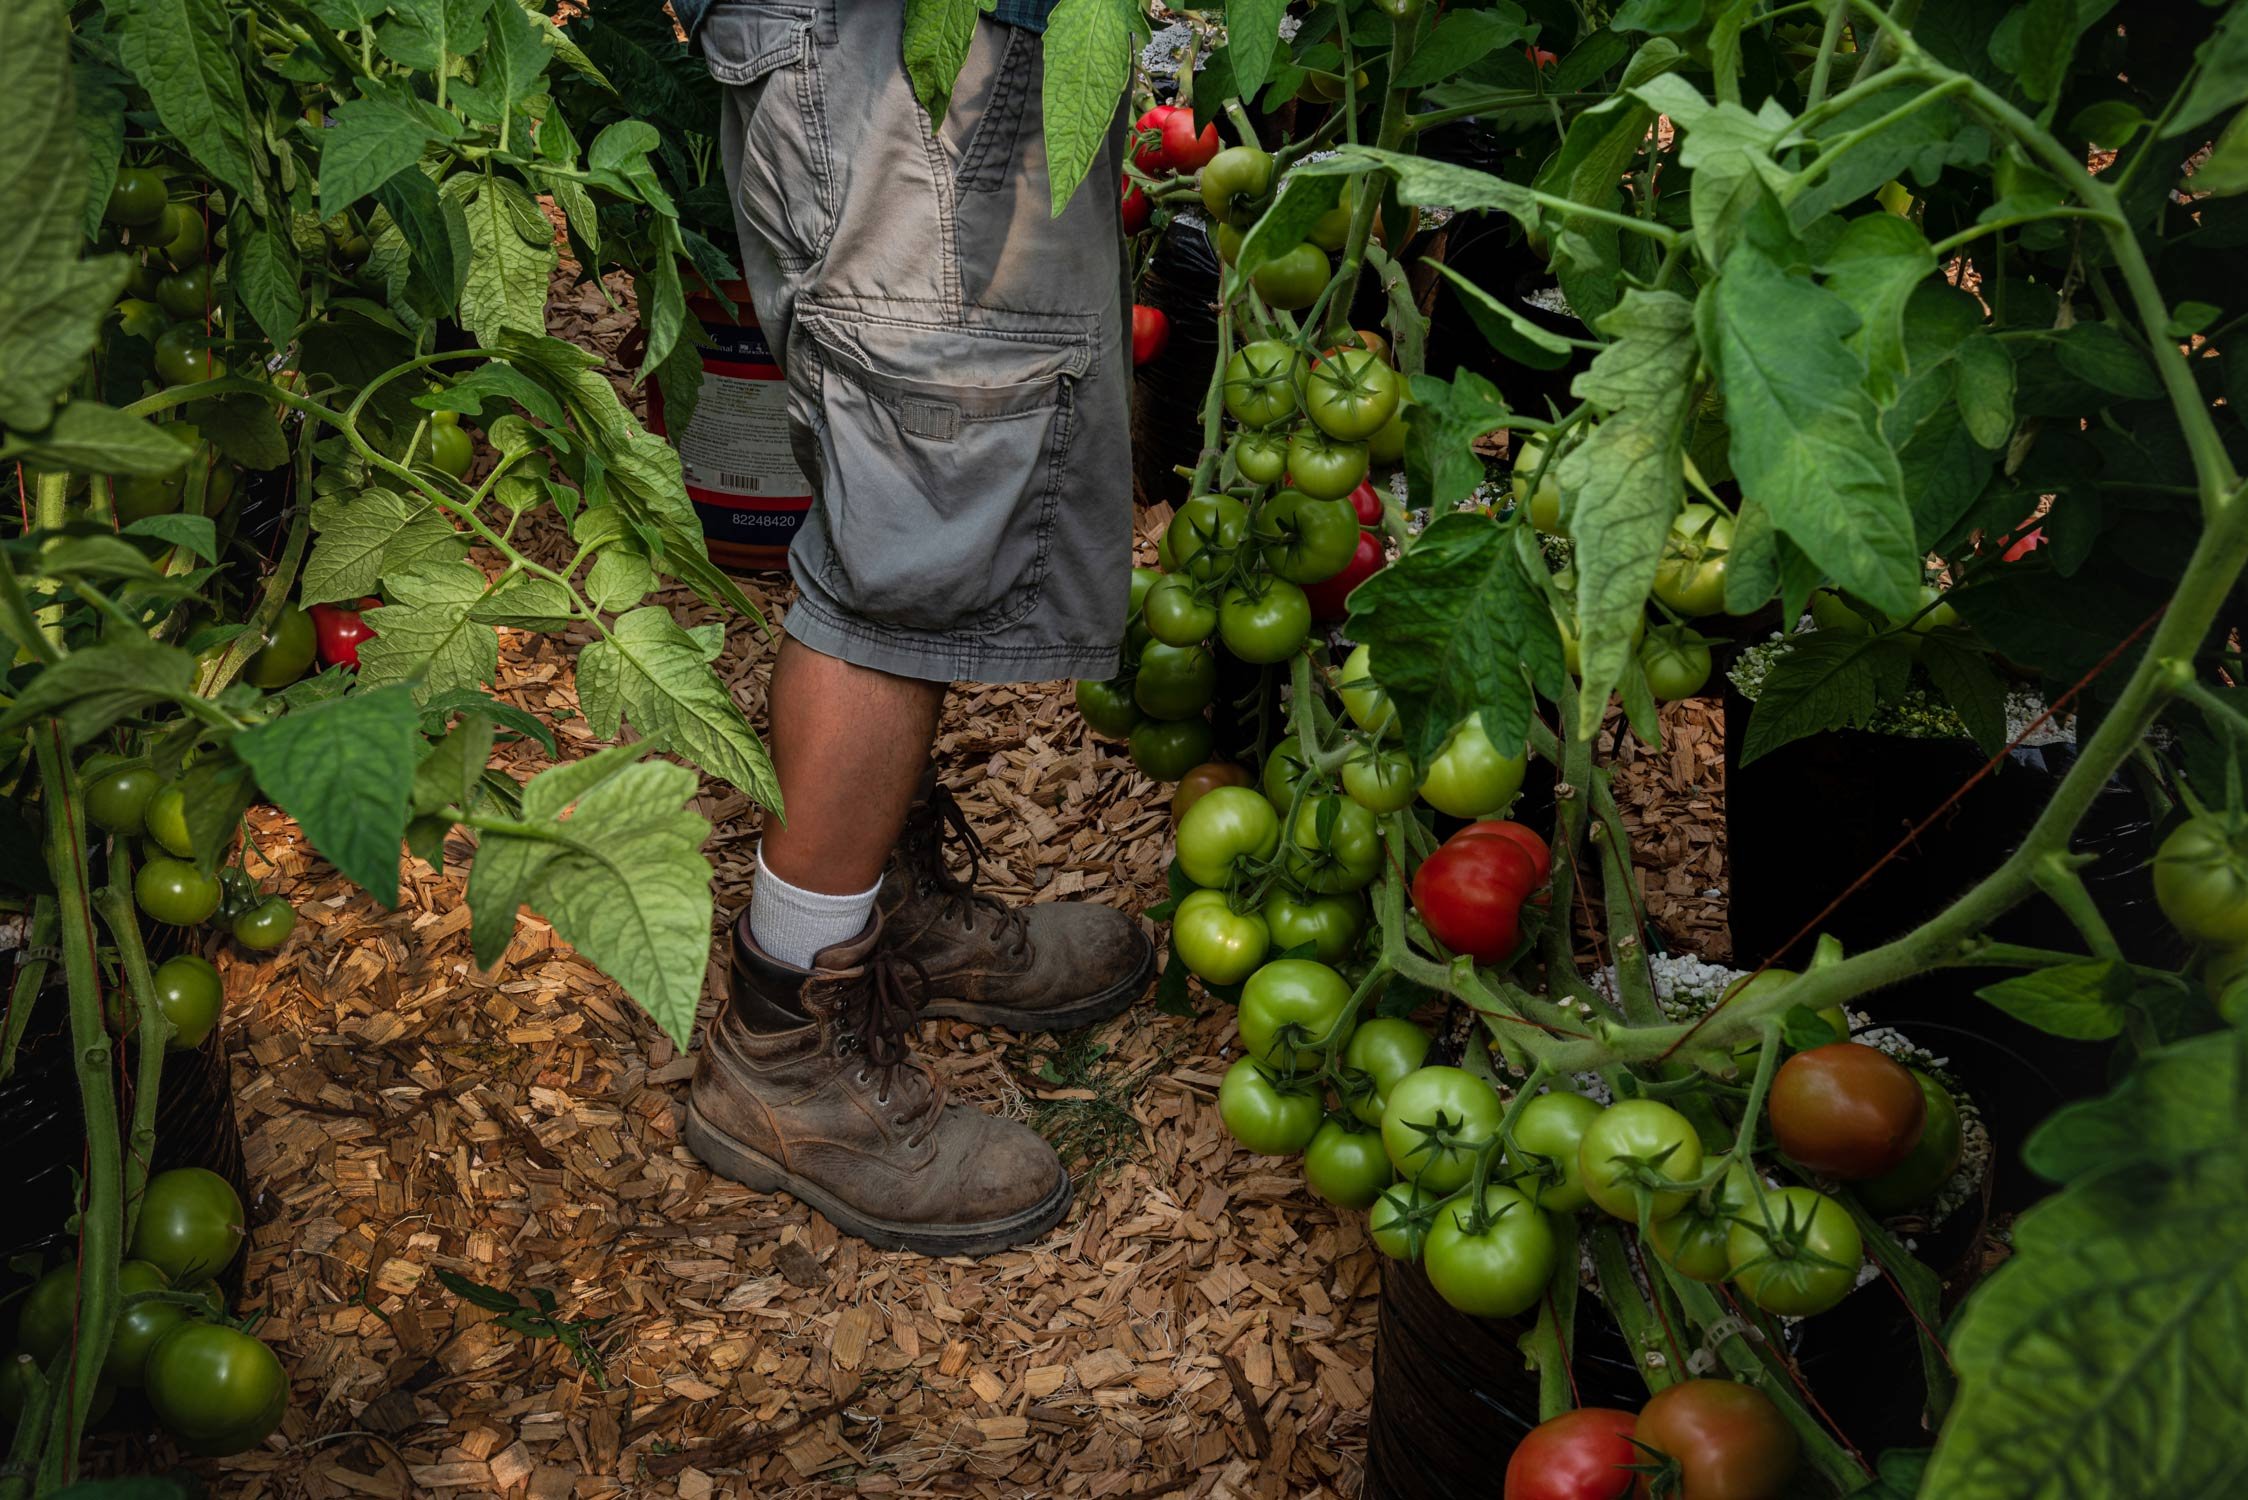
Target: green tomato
(1469, 777)
(1260, 382)
(1381, 781)
(1795, 1252)
(1267, 623)
(1933, 1159)
(1217, 944)
(1629, 1135)
(135, 198)
(191, 1224)
(1175, 682)
(1305, 540)
(1383, 1050)
(186, 293)
(451, 450)
(1323, 467)
(1332, 846)
(1351, 394)
(1177, 613)
(1693, 1241)
(1690, 578)
(1143, 579)
(1206, 534)
(1166, 749)
(48, 1313)
(267, 925)
(1346, 1165)
(286, 653)
(1565, 625)
(191, 997)
(1436, 1121)
(1294, 1012)
(165, 818)
(1388, 445)
(174, 892)
(217, 1389)
(139, 1324)
(1551, 1128)
(1498, 1270)
(1261, 456)
(1538, 497)
(117, 798)
(1107, 706)
(135, 497)
(1331, 925)
(1294, 278)
(1233, 180)
(179, 237)
(1283, 768)
(1675, 667)
(1263, 1118)
(1830, 611)
(1363, 699)
(1226, 827)
(1400, 1220)
(2201, 880)
(184, 357)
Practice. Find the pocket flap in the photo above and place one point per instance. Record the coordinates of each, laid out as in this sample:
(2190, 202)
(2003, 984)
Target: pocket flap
(743, 40)
(936, 378)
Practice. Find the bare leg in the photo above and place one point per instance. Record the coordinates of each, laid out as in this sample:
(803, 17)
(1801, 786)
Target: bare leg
(849, 745)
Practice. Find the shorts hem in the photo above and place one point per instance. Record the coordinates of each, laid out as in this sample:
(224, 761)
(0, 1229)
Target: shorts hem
(935, 657)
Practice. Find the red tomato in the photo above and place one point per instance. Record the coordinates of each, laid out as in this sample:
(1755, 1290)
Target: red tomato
(1584, 1454)
(1152, 159)
(1327, 598)
(1183, 150)
(1136, 209)
(1539, 58)
(2030, 541)
(1367, 503)
(338, 631)
(1847, 1110)
(1151, 333)
(1470, 893)
(1541, 858)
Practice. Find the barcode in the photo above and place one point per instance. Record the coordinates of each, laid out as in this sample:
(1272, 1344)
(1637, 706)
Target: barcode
(752, 484)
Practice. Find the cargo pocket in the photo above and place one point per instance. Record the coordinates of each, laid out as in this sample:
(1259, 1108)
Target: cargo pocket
(768, 52)
(942, 452)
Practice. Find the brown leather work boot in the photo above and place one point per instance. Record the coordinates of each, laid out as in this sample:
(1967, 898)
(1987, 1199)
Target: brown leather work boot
(1055, 966)
(806, 1085)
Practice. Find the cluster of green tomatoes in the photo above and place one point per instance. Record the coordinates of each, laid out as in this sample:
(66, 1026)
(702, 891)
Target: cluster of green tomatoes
(213, 1385)
(174, 884)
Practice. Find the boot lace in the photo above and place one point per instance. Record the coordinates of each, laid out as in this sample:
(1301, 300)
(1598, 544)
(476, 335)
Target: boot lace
(958, 899)
(876, 1017)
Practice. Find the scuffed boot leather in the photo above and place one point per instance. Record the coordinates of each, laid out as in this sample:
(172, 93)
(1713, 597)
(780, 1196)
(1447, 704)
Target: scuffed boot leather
(807, 1085)
(1054, 966)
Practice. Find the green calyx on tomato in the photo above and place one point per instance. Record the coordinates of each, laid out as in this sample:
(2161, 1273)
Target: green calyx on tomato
(1294, 278)
(1690, 578)
(1331, 846)
(1351, 394)
(174, 892)
(1175, 682)
(1260, 383)
(1437, 1121)
(1547, 1135)
(1695, 1241)
(1795, 1252)
(1380, 1052)
(2201, 879)
(1305, 540)
(1329, 925)
(1634, 1148)
(1267, 621)
(1295, 1011)
(265, 926)
(1490, 1259)
(1283, 768)
(1381, 781)
(1324, 467)
(1231, 828)
(1232, 181)
(1206, 535)
(1217, 944)
(1265, 1117)
(1177, 611)
(1261, 455)
(1345, 1164)
(1166, 749)
(288, 650)
(1401, 1218)
(190, 996)
(1470, 778)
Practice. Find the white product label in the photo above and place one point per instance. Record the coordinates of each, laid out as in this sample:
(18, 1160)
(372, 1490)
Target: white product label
(737, 446)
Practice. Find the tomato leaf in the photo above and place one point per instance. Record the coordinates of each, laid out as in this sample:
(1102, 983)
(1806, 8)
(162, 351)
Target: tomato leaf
(1874, 267)
(368, 141)
(1088, 62)
(1624, 482)
(1445, 420)
(198, 534)
(1457, 627)
(1252, 38)
(92, 688)
(2083, 1002)
(1509, 331)
(2176, 1102)
(1823, 682)
(2103, 1357)
(91, 438)
(361, 539)
(511, 260)
(425, 633)
(1462, 37)
(183, 53)
(344, 770)
(937, 37)
(649, 669)
(1971, 686)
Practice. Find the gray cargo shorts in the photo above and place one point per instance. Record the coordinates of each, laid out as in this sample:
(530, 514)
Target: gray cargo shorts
(958, 376)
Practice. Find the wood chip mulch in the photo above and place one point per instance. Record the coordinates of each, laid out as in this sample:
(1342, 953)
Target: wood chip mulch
(1199, 1326)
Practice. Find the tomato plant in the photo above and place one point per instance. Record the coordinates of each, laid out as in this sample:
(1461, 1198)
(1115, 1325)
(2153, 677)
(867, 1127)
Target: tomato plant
(1151, 333)
(1547, 1136)
(1304, 540)
(2201, 879)
(1324, 467)
(1264, 622)
(1329, 925)
(191, 997)
(1201, 781)
(1930, 1164)
(1471, 777)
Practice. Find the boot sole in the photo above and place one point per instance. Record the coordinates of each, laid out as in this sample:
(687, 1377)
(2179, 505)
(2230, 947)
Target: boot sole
(1098, 1006)
(731, 1159)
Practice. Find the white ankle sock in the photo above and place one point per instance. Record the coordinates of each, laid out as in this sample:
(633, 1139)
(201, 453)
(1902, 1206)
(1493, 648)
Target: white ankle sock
(794, 925)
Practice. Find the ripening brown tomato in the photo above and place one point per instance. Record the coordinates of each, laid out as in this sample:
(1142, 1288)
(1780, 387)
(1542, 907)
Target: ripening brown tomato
(1846, 1110)
(1728, 1440)
(1203, 779)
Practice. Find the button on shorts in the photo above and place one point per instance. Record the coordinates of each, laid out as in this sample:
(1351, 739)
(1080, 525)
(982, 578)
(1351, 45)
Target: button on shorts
(957, 370)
